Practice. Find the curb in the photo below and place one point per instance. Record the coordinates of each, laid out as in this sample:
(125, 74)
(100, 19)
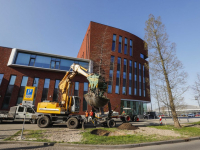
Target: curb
(100, 146)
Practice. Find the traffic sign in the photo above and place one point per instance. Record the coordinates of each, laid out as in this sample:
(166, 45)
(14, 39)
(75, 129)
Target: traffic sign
(29, 93)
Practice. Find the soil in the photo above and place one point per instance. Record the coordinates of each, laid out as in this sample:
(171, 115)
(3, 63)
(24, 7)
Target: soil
(127, 126)
(100, 132)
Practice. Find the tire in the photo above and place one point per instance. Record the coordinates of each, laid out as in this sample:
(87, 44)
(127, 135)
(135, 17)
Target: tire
(111, 123)
(43, 122)
(72, 123)
(33, 121)
(123, 119)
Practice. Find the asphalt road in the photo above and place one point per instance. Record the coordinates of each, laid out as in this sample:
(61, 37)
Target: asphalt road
(192, 145)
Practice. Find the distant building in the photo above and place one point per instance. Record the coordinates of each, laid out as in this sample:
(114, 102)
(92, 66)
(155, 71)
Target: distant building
(123, 57)
(182, 110)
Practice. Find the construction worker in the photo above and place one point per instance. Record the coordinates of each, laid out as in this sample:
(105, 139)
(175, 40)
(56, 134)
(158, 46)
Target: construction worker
(91, 114)
(86, 115)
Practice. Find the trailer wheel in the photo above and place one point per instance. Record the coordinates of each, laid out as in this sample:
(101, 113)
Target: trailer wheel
(72, 123)
(43, 122)
(111, 123)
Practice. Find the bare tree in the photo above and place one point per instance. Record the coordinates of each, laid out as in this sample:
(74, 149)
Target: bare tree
(164, 64)
(102, 47)
(196, 89)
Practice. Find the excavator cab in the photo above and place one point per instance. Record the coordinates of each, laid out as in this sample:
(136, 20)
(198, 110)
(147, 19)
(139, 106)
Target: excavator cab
(75, 106)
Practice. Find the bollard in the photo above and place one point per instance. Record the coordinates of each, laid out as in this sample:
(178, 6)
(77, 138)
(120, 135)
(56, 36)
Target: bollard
(160, 120)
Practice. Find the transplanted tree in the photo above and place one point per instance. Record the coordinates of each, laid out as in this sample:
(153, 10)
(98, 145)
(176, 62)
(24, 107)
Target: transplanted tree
(164, 64)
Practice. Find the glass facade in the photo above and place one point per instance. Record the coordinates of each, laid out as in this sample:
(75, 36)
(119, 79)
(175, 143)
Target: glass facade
(140, 79)
(56, 92)
(124, 77)
(135, 78)
(144, 87)
(76, 88)
(114, 42)
(135, 107)
(85, 90)
(120, 44)
(131, 48)
(35, 84)
(45, 89)
(21, 90)
(118, 75)
(125, 46)
(111, 74)
(1, 78)
(130, 77)
(46, 61)
(9, 91)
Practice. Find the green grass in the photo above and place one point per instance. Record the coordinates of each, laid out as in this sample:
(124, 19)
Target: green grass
(37, 134)
(89, 138)
(11, 137)
(184, 131)
(195, 123)
(28, 134)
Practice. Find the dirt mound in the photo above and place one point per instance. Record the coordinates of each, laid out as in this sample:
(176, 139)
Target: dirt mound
(127, 126)
(100, 132)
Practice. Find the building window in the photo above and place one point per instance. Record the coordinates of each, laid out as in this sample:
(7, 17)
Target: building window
(124, 77)
(46, 62)
(120, 44)
(45, 89)
(85, 90)
(144, 87)
(23, 59)
(55, 63)
(32, 60)
(111, 74)
(143, 56)
(1, 77)
(130, 77)
(42, 61)
(131, 48)
(9, 92)
(135, 79)
(76, 88)
(118, 75)
(35, 84)
(125, 46)
(140, 79)
(21, 90)
(56, 92)
(114, 42)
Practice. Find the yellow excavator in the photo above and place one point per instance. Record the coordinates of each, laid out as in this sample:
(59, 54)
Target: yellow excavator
(66, 109)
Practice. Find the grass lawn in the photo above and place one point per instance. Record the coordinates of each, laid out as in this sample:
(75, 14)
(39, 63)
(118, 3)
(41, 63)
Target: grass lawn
(30, 135)
(89, 138)
(188, 131)
(192, 130)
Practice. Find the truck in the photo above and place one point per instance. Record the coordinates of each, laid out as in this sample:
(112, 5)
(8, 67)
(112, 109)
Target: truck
(67, 108)
(16, 113)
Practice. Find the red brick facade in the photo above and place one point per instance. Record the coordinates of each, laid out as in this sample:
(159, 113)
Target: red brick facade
(31, 73)
(103, 35)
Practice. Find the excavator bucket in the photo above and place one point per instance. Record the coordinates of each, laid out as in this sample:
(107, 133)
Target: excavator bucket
(96, 101)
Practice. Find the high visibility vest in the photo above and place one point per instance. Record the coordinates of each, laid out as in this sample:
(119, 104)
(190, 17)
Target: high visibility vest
(86, 114)
(91, 113)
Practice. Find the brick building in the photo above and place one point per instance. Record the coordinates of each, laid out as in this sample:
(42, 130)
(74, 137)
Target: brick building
(118, 55)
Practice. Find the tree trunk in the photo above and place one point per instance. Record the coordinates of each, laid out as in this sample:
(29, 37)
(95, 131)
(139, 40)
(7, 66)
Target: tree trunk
(172, 106)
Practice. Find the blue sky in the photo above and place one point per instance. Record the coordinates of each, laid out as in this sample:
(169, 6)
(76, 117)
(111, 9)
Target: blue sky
(59, 26)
